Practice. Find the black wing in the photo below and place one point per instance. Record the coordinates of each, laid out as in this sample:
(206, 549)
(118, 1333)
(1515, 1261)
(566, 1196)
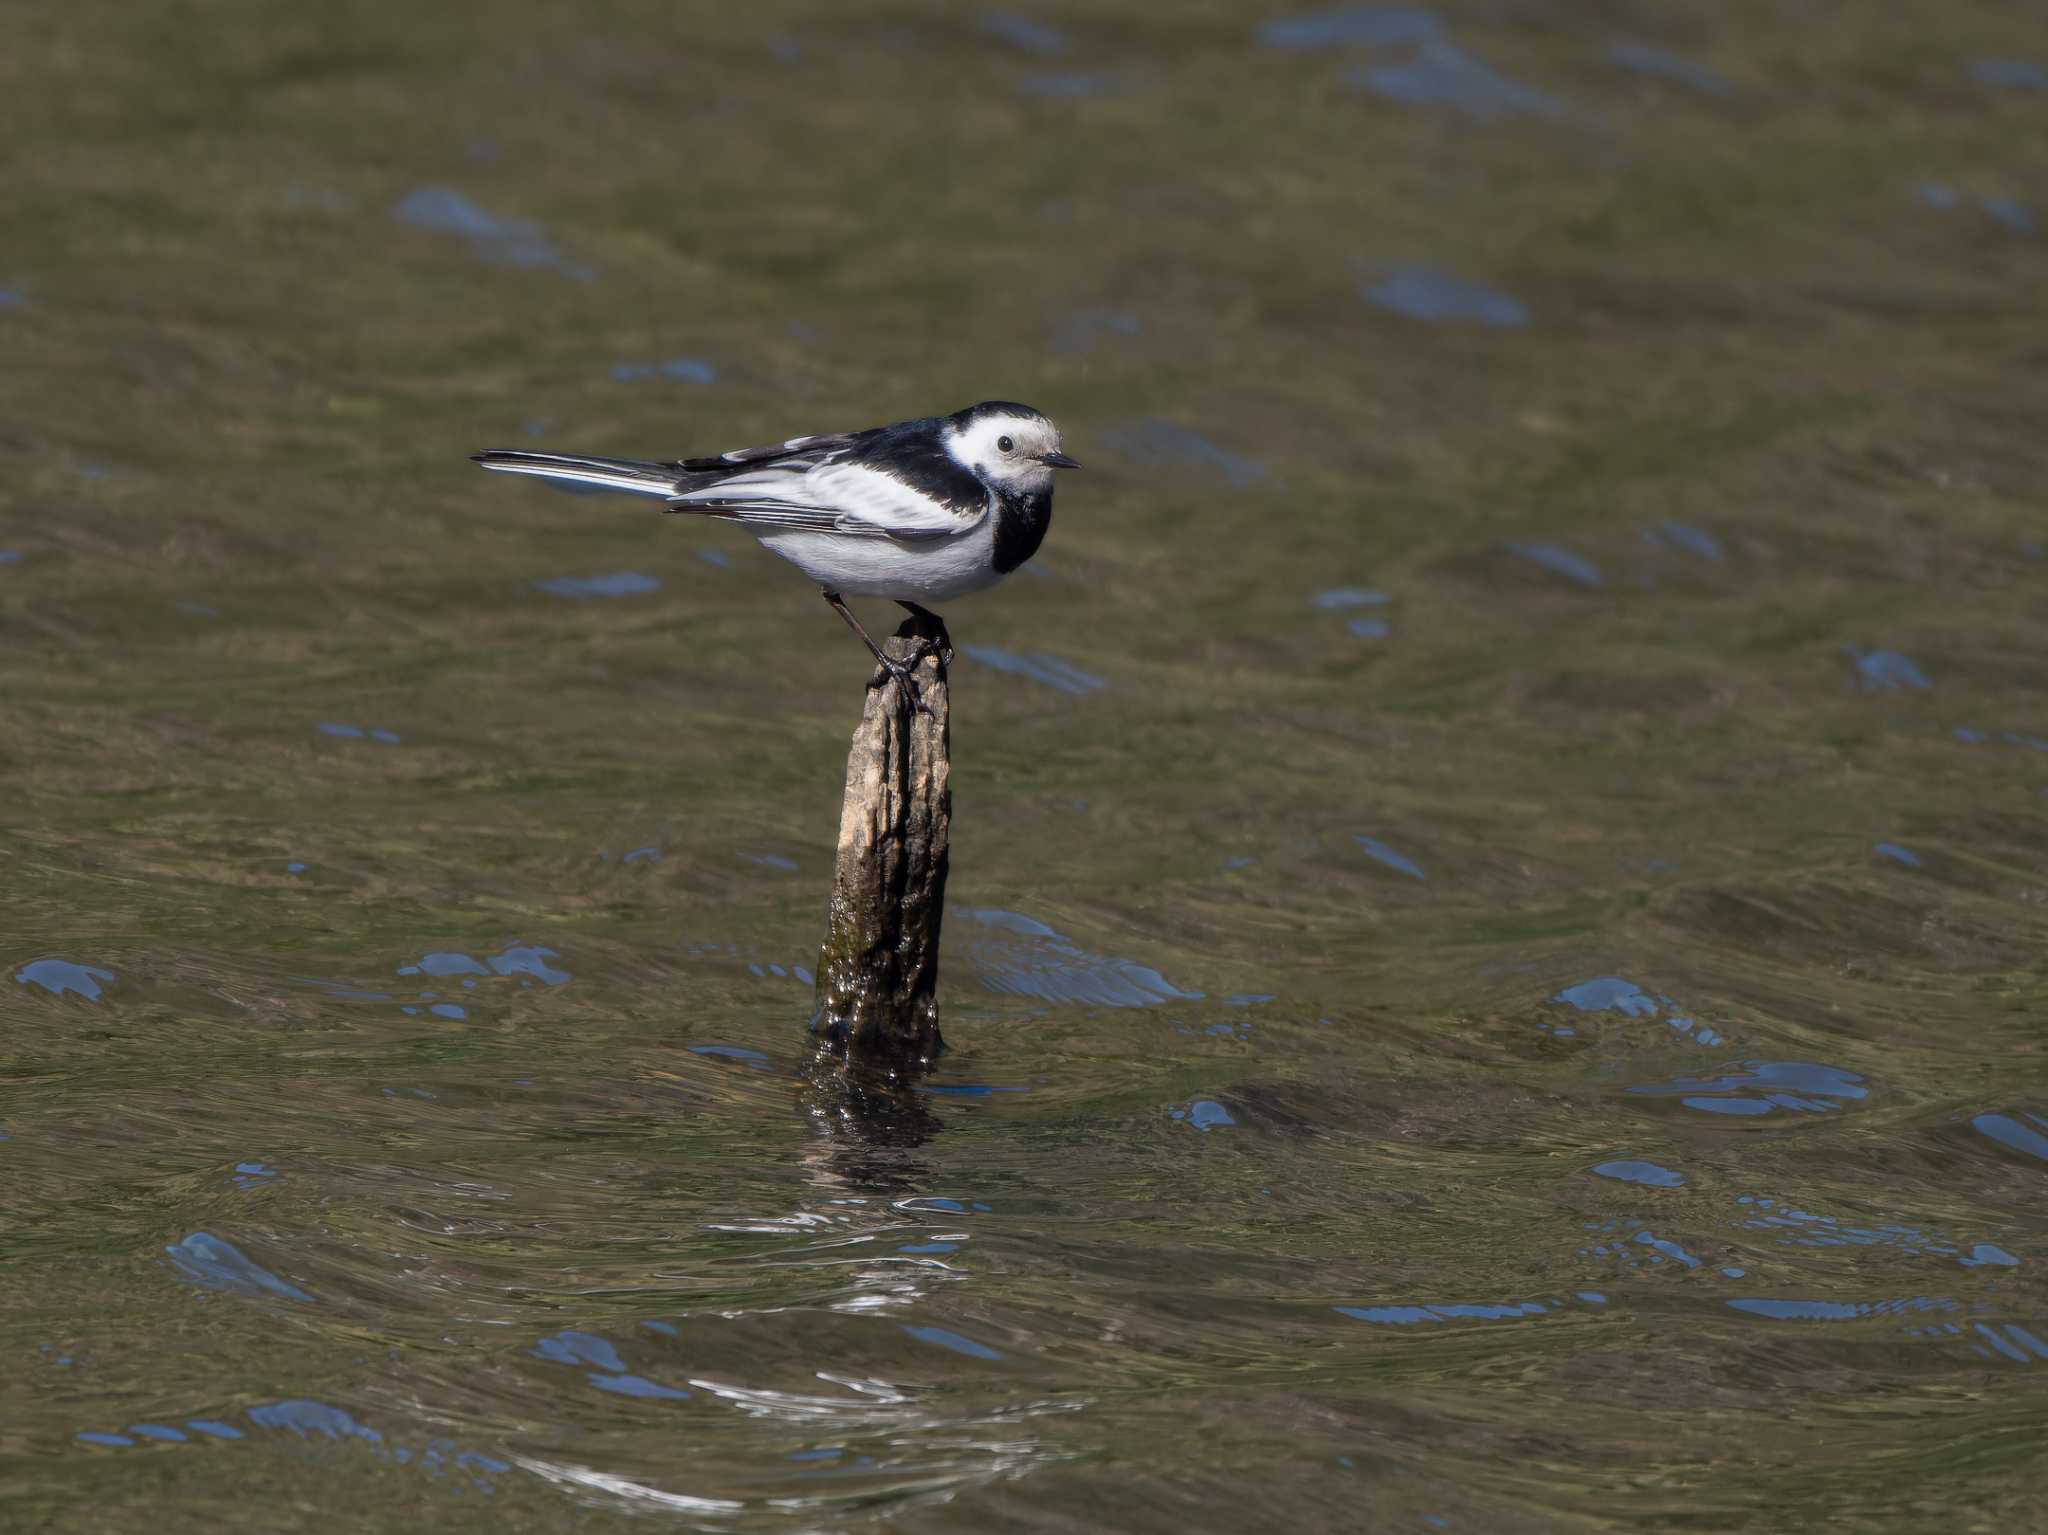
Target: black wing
(812, 448)
(888, 482)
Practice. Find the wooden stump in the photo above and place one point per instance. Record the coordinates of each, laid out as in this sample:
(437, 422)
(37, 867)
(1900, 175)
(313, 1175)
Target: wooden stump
(878, 973)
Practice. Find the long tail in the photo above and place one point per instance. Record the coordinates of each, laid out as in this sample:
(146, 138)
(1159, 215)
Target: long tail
(631, 474)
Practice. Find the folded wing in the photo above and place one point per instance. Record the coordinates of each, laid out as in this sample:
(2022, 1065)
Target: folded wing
(827, 494)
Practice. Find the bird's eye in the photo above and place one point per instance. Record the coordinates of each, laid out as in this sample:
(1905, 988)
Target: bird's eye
(1006, 444)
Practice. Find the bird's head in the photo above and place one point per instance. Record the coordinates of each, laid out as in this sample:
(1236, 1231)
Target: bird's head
(1010, 446)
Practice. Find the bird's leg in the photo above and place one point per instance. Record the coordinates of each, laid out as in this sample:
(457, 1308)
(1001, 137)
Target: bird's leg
(893, 667)
(945, 640)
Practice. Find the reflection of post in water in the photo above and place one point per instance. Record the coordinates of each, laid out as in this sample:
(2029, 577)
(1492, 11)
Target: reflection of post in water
(878, 974)
(869, 1124)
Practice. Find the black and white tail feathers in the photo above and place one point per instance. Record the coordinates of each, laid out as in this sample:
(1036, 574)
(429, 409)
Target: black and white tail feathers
(673, 479)
(632, 474)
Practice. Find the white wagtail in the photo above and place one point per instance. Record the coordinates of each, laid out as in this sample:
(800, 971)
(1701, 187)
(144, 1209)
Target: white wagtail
(917, 512)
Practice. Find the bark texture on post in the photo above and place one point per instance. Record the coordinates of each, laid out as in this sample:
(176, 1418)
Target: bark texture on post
(879, 971)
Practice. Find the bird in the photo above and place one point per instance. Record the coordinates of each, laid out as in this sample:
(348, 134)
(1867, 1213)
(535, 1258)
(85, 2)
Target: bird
(919, 511)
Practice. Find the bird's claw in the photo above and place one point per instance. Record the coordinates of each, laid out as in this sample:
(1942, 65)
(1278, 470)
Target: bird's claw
(908, 682)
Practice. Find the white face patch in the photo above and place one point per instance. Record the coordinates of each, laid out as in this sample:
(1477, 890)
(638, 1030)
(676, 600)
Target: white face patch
(1020, 466)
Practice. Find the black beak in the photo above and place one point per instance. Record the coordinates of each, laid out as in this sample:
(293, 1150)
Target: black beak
(1059, 461)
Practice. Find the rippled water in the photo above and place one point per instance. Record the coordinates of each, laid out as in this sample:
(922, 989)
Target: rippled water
(1494, 978)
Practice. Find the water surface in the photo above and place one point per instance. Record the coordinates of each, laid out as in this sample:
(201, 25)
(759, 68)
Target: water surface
(1495, 968)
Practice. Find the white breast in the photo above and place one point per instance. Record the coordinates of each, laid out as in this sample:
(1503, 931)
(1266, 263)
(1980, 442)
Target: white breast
(926, 570)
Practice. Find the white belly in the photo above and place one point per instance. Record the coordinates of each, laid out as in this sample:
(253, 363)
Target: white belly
(907, 570)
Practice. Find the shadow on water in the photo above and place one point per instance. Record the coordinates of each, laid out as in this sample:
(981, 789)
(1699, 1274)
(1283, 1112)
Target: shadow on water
(867, 1124)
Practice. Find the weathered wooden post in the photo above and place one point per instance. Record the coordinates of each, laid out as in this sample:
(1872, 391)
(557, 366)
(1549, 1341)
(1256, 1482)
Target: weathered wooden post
(879, 971)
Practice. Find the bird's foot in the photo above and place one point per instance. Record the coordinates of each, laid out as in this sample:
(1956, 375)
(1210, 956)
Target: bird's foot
(941, 644)
(907, 680)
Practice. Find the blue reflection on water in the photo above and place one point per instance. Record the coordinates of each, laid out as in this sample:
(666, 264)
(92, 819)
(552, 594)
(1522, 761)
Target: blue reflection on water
(348, 732)
(306, 1418)
(1379, 852)
(1760, 1087)
(1986, 1255)
(1367, 26)
(1022, 32)
(2009, 74)
(1423, 293)
(1564, 562)
(500, 241)
(2028, 1133)
(2017, 1334)
(1649, 1174)
(580, 1348)
(1942, 197)
(1683, 535)
(1609, 994)
(1642, 59)
(58, 976)
(2016, 216)
(733, 1053)
(617, 583)
(1896, 853)
(2004, 1345)
(1884, 671)
(1039, 666)
(1350, 597)
(691, 370)
(1205, 1114)
(517, 960)
(1838, 1311)
(1612, 994)
(442, 964)
(1666, 1249)
(1154, 443)
(525, 960)
(637, 1385)
(952, 1340)
(1024, 957)
(1409, 1316)
(206, 1260)
(967, 1089)
(1444, 75)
